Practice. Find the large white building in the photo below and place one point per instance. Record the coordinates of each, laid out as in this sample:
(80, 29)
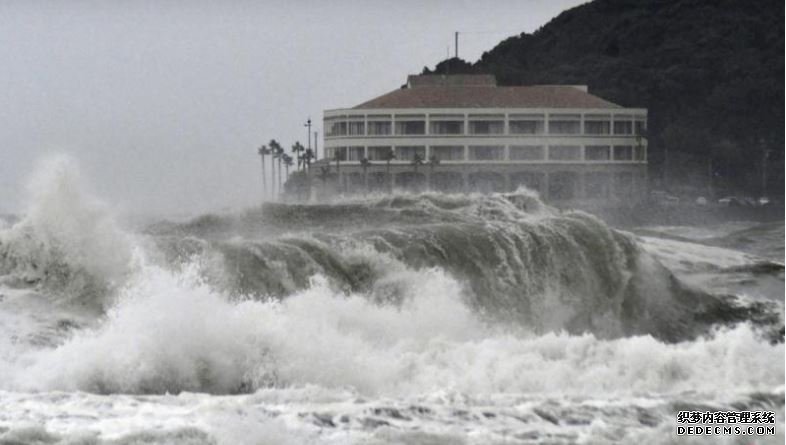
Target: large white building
(476, 136)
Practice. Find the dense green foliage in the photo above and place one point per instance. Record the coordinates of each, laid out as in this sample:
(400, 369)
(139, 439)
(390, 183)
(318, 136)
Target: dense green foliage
(709, 71)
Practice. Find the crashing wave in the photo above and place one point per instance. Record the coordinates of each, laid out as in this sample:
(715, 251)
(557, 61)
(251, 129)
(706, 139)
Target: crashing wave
(66, 242)
(520, 261)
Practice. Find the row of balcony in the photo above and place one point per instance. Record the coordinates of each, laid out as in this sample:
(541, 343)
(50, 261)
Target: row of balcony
(485, 125)
(492, 153)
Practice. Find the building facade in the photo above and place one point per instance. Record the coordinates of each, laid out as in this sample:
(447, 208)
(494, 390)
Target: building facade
(464, 133)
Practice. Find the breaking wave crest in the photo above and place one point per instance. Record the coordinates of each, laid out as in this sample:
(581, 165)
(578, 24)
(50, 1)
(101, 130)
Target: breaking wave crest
(67, 241)
(172, 333)
(391, 295)
(542, 269)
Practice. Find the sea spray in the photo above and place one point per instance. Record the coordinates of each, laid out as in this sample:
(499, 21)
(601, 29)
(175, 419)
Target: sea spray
(549, 271)
(67, 241)
(172, 333)
(409, 318)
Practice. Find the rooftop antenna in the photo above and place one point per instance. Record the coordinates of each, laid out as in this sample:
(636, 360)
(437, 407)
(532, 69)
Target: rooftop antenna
(457, 33)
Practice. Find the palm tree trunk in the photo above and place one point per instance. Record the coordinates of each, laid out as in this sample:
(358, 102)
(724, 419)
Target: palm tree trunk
(273, 181)
(279, 176)
(264, 183)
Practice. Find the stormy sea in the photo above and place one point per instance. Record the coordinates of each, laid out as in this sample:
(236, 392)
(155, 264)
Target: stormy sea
(391, 319)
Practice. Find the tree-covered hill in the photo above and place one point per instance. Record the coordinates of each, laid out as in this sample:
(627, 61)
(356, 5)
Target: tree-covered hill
(711, 73)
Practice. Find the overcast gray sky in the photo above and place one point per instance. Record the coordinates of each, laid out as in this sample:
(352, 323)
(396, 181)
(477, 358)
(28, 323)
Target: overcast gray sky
(164, 103)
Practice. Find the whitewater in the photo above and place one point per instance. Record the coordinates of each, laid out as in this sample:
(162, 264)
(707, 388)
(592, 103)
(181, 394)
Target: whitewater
(411, 319)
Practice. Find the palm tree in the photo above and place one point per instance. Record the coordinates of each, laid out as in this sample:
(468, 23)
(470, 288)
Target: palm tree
(298, 149)
(416, 162)
(288, 161)
(433, 162)
(263, 151)
(387, 157)
(278, 151)
(365, 164)
(275, 153)
(308, 156)
(324, 173)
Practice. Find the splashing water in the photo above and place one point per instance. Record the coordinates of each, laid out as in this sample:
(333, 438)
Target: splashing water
(440, 319)
(67, 241)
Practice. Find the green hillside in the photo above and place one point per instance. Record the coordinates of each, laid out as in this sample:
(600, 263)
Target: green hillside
(710, 72)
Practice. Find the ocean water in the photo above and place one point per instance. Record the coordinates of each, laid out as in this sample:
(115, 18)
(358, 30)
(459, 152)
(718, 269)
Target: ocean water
(406, 319)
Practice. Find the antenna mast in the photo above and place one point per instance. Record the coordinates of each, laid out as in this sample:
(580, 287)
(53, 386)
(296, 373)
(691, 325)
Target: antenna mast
(457, 44)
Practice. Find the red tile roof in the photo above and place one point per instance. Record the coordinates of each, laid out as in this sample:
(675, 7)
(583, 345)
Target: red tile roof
(487, 96)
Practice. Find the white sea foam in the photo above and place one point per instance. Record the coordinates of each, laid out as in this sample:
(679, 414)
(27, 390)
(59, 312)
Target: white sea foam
(66, 239)
(171, 332)
(323, 366)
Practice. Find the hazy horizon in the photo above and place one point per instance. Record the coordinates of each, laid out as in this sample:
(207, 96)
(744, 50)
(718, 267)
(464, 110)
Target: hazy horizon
(163, 104)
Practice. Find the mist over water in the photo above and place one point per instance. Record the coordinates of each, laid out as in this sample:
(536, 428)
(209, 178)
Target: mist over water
(413, 318)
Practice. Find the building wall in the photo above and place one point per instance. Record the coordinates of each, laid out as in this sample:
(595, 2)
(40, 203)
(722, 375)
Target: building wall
(584, 154)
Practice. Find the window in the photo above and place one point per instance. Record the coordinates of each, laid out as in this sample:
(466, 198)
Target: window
(564, 153)
(640, 125)
(487, 153)
(597, 124)
(408, 153)
(448, 152)
(410, 124)
(341, 152)
(623, 125)
(641, 153)
(376, 128)
(527, 153)
(336, 127)
(447, 127)
(410, 127)
(564, 124)
(597, 153)
(378, 153)
(623, 153)
(356, 153)
(357, 128)
(486, 127)
(526, 124)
